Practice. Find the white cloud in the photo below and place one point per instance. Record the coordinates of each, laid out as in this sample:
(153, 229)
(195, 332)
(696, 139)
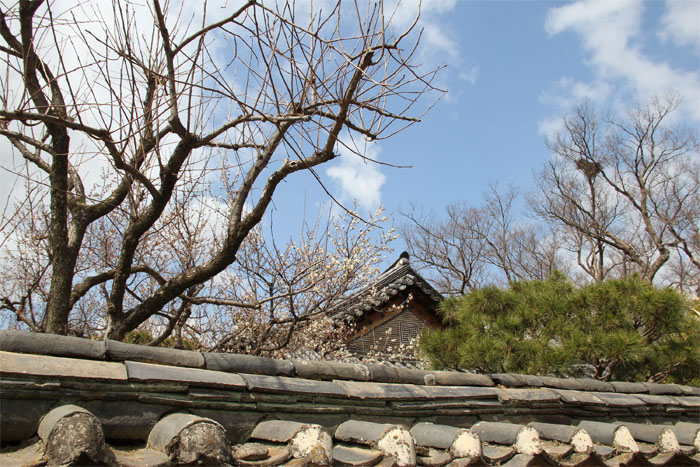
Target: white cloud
(435, 39)
(550, 126)
(567, 92)
(404, 12)
(597, 16)
(470, 75)
(611, 34)
(438, 43)
(681, 22)
(359, 178)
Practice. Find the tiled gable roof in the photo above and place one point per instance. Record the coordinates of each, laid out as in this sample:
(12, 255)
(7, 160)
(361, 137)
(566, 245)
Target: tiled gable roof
(158, 406)
(397, 278)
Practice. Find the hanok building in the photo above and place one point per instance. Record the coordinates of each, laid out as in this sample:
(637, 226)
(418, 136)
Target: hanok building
(391, 311)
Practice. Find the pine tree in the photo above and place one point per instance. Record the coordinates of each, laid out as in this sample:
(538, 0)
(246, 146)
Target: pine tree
(624, 329)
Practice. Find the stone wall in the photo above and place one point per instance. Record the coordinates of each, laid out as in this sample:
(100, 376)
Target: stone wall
(172, 399)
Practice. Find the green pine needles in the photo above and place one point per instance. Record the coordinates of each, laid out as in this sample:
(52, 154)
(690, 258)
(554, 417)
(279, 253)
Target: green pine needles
(624, 330)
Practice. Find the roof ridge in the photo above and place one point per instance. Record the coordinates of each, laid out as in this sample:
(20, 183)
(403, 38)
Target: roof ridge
(398, 276)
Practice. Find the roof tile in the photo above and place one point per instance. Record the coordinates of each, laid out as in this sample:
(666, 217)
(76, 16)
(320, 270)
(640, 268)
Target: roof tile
(354, 456)
(625, 387)
(355, 431)
(455, 378)
(460, 392)
(562, 383)
(579, 397)
(509, 380)
(657, 400)
(147, 372)
(619, 437)
(619, 400)
(657, 388)
(60, 367)
(689, 401)
(437, 436)
(286, 385)
(687, 433)
(236, 363)
(386, 391)
(434, 457)
(331, 370)
(278, 431)
(590, 384)
(528, 395)
(689, 390)
(577, 438)
(52, 344)
(497, 454)
(393, 374)
(120, 351)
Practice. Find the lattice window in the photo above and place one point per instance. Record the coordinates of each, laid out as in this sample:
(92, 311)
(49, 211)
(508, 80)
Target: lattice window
(409, 331)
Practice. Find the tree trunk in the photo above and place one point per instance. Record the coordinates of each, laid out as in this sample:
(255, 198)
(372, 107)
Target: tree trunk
(62, 259)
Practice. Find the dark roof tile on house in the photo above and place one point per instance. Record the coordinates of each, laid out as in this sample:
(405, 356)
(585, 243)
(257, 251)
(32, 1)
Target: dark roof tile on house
(397, 278)
(65, 400)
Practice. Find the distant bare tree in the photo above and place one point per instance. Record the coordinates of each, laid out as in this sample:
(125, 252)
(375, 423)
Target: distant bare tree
(516, 248)
(193, 118)
(621, 196)
(447, 248)
(473, 246)
(625, 189)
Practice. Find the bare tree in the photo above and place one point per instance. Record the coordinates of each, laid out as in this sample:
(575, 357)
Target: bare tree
(177, 107)
(447, 248)
(516, 248)
(474, 246)
(621, 196)
(625, 189)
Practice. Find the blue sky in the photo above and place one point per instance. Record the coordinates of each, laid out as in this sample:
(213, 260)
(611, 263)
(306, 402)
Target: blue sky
(514, 68)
